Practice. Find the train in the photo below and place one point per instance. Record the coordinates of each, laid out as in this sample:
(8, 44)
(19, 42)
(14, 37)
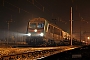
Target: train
(41, 32)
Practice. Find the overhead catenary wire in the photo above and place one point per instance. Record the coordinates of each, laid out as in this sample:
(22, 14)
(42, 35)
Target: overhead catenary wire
(40, 5)
(43, 8)
(78, 13)
(19, 9)
(52, 14)
(16, 7)
(32, 2)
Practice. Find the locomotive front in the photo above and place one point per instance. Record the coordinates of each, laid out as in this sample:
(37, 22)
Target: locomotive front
(35, 29)
(35, 32)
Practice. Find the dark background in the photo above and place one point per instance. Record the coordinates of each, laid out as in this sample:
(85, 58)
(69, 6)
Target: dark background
(22, 11)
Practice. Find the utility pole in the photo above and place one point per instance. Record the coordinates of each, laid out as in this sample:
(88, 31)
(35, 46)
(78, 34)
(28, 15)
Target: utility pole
(71, 26)
(81, 28)
(81, 23)
(80, 32)
(8, 22)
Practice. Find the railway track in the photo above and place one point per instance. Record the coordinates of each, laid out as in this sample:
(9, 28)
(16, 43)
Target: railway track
(33, 53)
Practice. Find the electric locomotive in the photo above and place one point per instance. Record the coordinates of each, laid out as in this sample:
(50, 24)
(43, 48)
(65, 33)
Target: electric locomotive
(41, 32)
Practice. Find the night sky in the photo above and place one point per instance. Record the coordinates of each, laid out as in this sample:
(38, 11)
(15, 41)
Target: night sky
(21, 11)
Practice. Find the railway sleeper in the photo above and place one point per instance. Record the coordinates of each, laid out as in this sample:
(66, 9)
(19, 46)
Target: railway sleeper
(5, 58)
(25, 55)
(14, 57)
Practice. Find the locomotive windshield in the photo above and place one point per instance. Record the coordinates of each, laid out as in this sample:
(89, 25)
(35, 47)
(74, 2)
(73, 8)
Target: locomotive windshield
(36, 25)
(33, 25)
(40, 25)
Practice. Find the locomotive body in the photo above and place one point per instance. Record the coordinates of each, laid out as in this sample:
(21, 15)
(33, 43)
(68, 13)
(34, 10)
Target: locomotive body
(42, 32)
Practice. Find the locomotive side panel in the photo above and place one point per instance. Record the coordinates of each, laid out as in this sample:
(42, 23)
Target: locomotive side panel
(54, 33)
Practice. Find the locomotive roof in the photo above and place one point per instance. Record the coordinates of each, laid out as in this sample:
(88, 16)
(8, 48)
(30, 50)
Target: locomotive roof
(38, 20)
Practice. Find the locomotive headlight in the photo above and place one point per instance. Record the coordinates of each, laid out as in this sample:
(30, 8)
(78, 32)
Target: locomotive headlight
(29, 34)
(41, 34)
(35, 30)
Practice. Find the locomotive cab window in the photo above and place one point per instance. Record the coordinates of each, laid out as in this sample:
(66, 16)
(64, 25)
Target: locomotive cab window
(40, 25)
(33, 25)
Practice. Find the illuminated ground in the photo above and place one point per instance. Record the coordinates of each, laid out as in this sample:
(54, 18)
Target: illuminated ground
(6, 51)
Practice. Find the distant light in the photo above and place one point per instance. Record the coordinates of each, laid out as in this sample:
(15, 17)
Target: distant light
(88, 37)
(83, 41)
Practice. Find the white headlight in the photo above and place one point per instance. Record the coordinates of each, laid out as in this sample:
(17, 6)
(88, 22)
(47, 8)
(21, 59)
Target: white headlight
(29, 34)
(41, 34)
(35, 30)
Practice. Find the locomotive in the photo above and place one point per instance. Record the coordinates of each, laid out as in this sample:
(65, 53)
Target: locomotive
(41, 32)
